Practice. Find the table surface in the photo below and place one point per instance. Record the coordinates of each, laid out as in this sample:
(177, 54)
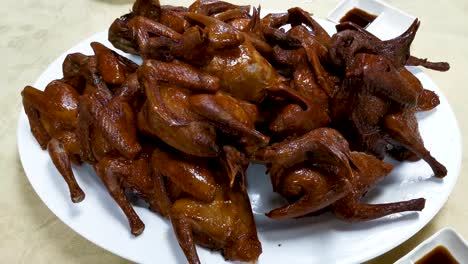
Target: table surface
(34, 32)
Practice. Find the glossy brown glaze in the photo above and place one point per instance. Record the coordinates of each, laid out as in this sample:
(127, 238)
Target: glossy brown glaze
(221, 86)
(247, 75)
(113, 68)
(232, 116)
(167, 114)
(194, 178)
(52, 115)
(321, 145)
(224, 224)
(369, 171)
(403, 128)
(292, 119)
(309, 191)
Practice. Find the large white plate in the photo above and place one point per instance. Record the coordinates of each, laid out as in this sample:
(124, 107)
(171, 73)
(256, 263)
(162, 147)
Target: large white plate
(321, 239)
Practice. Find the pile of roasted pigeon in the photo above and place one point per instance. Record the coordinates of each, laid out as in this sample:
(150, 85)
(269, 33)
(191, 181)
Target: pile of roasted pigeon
(222, 86)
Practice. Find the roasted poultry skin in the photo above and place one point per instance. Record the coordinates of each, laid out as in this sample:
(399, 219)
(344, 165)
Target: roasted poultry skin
(221, 86)
(52, 115)
(226, 223)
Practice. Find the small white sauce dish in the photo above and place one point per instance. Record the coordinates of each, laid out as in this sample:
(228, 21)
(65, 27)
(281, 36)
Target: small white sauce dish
(447, 237)
(390, 21)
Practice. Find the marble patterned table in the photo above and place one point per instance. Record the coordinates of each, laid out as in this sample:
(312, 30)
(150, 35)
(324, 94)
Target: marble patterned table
(34, 33)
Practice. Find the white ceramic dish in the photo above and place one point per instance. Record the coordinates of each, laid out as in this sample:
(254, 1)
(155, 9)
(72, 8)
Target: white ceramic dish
(390, 21)
(322, 239)
(447, 237)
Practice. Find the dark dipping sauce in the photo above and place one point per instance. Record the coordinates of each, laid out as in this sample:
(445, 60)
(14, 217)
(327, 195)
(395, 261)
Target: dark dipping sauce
(358, 17)
(439, 255)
